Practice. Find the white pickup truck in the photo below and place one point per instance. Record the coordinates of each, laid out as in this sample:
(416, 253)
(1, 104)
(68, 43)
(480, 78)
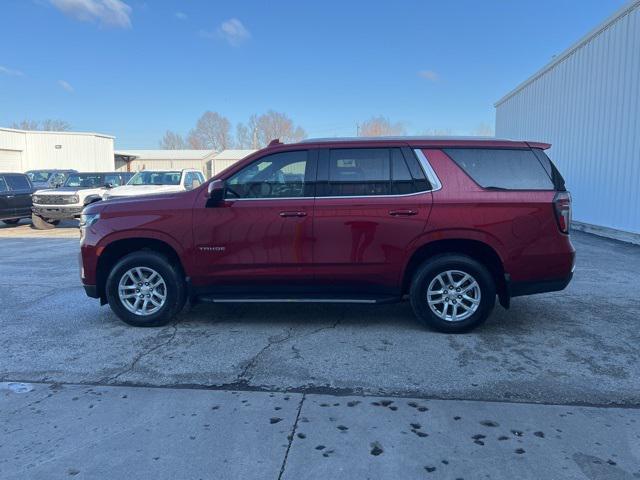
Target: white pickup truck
(151, 182)
(79, 190)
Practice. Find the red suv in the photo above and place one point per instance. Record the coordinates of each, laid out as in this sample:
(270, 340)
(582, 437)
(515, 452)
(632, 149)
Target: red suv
(450, 223)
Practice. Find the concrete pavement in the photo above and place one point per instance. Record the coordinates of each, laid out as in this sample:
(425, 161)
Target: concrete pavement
(71, 431)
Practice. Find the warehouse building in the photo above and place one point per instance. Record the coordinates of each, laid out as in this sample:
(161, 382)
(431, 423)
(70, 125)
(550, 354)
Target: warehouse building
(136, 160)
(586, 103)
(224, 160)
(22, 150)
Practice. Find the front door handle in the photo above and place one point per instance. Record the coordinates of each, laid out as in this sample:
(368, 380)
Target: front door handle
(10, 196)
(403, 213)
(293, 214)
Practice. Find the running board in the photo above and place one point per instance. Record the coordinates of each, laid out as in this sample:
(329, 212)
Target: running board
(305, 299)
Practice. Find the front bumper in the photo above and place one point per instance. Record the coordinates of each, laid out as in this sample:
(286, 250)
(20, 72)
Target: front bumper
(58, 212)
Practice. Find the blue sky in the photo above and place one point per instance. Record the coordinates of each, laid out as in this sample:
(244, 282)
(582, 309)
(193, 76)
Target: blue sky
(134, 69)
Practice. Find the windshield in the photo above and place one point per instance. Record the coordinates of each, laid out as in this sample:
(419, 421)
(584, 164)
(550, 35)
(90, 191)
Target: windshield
(39, 176)
(85, 180)
(155, 178)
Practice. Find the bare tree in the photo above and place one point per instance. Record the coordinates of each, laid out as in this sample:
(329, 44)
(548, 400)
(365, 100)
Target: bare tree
(380, 126)
(49, 125)
(172, 141)
(55, 125)
(484, 130)
(247, 135)
(438, 132)
(212, 131)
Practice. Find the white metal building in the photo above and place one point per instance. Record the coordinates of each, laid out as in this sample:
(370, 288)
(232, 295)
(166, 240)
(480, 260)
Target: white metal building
(22, 150)
(224, 160)
(586, 103)
(135, 160)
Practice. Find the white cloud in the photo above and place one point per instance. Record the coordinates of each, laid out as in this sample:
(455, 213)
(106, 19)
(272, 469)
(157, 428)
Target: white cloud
(114, 13)
(10, 71)
(66, 86)
(429, 75)
(181, 16)
(234, 32)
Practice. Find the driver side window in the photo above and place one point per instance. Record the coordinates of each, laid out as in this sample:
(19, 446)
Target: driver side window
(280, 175)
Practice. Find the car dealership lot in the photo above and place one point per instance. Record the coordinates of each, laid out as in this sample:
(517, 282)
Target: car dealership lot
(579, 347)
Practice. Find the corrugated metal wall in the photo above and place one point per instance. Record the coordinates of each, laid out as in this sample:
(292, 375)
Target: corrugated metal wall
(60, 150)
(588, 107)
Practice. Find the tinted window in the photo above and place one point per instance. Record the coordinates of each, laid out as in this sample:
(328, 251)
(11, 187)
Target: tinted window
(18, 182)
(359, 172)
(114, 180)
(39, 176)
(402, 181)
(156, 178)
(85, 180)
(502, 168)
(550, 168)
(3, 185)
(274, 176)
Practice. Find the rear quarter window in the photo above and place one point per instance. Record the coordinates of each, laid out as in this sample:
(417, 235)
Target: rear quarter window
(508, 169)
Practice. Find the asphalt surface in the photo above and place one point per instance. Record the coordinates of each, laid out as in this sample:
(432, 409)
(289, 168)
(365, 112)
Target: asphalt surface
(548, 389)
(580, 346)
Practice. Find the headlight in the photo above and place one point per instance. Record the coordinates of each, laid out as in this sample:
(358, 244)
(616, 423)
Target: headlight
(86, 220)
(72, 199)
(35, 198)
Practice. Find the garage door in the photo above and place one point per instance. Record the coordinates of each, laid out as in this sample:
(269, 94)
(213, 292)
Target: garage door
(10, 161)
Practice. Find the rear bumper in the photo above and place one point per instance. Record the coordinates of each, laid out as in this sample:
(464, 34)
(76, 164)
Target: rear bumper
(58, 213)
(519, 289)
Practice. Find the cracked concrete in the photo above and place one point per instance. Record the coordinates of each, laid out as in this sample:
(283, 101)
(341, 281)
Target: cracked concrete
(579, 346)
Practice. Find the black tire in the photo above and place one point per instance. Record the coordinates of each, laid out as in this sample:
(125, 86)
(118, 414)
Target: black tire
(40, 223)
(433, 267)
(13, 221)
(172, 276)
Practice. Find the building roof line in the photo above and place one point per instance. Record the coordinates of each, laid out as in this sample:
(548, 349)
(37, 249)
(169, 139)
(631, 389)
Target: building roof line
(49, 132)
(624, 10)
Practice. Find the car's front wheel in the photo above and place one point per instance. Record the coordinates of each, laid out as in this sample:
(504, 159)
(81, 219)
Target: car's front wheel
(144, 289)
(452, 293)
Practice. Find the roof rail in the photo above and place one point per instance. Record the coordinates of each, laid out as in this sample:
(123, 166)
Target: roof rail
(275, 142)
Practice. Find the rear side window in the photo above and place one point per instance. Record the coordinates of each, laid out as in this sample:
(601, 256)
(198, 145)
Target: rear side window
(18, 182)
(3, 185)
(359, 172)
(502, 168)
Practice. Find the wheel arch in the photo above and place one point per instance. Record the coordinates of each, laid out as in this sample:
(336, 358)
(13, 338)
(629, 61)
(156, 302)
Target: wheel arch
(476, 249)
(117, 249)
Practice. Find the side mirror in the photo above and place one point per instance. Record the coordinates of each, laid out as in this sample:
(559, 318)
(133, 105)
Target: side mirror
(108, 185)
(215, 193)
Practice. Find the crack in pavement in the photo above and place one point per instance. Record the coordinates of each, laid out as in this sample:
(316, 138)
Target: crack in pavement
(144, 353)
(292, 435)
(244, 378)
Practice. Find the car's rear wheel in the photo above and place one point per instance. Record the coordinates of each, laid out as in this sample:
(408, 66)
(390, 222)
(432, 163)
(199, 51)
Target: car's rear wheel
(452, 293)
(144, 289)
(40, 223)
(13, 221)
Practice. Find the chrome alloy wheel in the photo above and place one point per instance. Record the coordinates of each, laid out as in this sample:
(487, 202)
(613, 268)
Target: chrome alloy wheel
(142, 291)
(453, 295)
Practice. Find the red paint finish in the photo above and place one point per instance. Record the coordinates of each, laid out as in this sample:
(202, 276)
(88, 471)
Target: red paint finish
(356, 243)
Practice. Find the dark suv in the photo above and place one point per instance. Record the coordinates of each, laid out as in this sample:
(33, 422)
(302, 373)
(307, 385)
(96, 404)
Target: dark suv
(15, 197)
(450, 223)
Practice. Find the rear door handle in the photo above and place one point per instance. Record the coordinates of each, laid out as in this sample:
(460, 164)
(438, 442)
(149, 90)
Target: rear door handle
(293, 214)
(404, 213)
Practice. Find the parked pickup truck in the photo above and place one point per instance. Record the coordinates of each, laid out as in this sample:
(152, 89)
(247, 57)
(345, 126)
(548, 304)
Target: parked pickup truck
(151, 182)
(79, 190)
(15, 197)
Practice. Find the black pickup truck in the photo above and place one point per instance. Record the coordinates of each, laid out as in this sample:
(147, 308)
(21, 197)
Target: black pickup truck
(15, 197)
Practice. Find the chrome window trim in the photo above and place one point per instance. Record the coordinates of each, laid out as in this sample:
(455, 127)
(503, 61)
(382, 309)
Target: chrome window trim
(428, 170)
(333, 196)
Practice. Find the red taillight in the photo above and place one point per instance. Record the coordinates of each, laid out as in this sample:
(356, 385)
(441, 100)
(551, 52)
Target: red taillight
(562, 207)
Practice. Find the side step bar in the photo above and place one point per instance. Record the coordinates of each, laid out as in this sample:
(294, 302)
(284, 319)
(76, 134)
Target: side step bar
(293, 299)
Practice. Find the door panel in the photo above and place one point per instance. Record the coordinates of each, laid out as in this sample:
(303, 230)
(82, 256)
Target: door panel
(362, 241)
(19, 198)
(261, 235)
